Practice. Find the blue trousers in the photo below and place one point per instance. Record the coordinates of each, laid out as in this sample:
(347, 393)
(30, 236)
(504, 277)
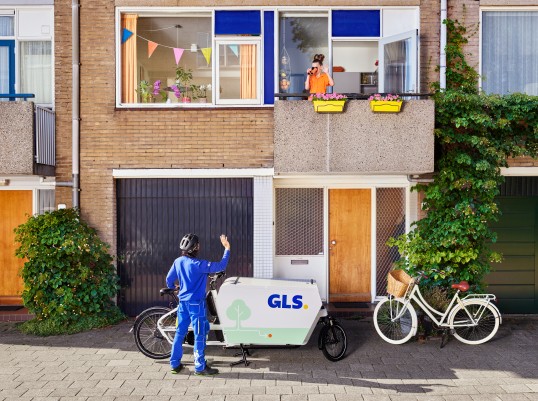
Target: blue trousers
(191, 312)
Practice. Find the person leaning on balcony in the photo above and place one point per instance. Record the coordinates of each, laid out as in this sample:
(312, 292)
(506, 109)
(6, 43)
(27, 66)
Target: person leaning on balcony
(318, 76)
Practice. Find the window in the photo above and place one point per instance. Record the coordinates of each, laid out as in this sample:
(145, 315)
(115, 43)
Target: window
(301, 36)
(166, 59)
(36, 70)
(26, 53)
(238, 71)
(509, 52)
(191, 57)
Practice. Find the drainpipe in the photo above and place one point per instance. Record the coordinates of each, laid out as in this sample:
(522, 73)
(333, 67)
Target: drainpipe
(75, 32)
(442, 55)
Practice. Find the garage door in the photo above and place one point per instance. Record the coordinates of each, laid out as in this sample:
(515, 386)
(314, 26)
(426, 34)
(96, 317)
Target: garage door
(153, 215)
(515, 280)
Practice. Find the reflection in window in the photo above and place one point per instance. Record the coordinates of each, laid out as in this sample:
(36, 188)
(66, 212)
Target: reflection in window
(301, 36)
(397, 68)
(167, 59)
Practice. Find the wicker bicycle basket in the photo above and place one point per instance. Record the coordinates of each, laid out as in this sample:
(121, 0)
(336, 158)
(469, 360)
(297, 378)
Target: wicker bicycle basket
(398, 281)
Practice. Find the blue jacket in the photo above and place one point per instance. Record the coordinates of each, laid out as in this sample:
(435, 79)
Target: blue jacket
(191, 273)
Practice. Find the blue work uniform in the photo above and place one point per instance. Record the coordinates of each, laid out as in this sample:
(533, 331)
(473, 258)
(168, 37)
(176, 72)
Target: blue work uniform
(191, 273)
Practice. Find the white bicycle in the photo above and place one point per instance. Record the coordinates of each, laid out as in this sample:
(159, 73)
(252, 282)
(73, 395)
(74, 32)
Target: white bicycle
(472, 319)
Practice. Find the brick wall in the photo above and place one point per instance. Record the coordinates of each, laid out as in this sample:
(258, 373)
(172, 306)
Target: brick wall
(113, 138)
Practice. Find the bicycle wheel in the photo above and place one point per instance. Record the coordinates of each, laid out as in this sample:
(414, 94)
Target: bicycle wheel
(391, 328)
(487, 320)
(148, 338)
(333, 342)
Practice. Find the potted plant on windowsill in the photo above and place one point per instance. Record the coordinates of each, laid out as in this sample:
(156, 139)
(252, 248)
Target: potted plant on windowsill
(385, 104)
(328, 102)
(183, 80)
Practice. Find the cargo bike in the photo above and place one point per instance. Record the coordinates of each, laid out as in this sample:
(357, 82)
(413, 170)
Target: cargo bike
(248, 313)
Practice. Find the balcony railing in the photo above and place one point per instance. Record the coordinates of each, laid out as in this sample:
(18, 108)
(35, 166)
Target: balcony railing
(45, 136)
(28, 137)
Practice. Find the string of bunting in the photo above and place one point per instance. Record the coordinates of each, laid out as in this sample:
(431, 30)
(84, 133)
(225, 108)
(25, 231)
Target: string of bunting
(178, 51)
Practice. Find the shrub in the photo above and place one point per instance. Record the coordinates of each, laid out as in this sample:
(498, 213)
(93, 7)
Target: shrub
(68, 276)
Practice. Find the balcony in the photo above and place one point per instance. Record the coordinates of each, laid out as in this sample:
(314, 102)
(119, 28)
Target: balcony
(356, 141)
(27, 135)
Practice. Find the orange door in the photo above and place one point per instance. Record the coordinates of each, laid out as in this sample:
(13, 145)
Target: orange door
(14, 207)
(350, 245)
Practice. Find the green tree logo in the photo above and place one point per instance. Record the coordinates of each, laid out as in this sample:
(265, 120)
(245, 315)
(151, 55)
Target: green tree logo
(238, 311)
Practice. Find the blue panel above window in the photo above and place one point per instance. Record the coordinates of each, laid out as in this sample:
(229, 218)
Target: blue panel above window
(268, 57)
(237, 23)
(353, 23)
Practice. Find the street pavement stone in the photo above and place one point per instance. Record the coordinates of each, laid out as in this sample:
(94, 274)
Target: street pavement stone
(105, 365)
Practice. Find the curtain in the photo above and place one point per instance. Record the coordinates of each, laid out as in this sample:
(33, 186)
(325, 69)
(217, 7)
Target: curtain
(36, 70)
(6, 26)
(128, 60)
(509, 52)
(248, 71)
(396, 66)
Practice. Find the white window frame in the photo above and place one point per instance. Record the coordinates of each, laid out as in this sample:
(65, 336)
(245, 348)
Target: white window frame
(480, 40)
(413, 36)
(19, 39)
(238, 40)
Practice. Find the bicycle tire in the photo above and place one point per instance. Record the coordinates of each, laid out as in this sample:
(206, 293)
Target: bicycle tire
(400, 330)
(148, 338)
(333, 341)
(487, 324)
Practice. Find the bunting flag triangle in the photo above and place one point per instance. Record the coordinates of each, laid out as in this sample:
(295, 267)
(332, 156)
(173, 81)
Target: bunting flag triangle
(151, 47)
(178, 53)
(206, 51)
(234, 49)
(125, 35)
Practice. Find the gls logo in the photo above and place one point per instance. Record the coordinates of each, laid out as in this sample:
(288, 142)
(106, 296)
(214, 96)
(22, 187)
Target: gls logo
(281, 301)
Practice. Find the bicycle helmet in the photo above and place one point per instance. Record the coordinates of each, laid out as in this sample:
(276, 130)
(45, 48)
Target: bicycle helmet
(189, 243)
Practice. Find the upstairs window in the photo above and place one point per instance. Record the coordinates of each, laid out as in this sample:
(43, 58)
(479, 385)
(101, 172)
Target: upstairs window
(509, 52)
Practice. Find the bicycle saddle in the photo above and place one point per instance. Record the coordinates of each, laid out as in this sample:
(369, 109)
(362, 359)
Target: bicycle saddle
(462, 286)
(167, 291)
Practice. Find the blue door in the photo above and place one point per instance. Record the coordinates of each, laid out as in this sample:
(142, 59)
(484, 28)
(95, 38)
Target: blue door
(7, 67)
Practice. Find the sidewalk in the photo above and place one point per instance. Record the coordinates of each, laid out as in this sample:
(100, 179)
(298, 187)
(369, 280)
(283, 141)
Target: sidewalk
(105, 365)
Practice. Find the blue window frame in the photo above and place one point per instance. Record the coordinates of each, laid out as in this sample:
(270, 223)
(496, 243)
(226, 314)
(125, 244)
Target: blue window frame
(356, 23)
(238, 22)
(7, 67)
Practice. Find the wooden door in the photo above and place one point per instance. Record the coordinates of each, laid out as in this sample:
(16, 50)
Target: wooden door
(350, 245)
(14, 207)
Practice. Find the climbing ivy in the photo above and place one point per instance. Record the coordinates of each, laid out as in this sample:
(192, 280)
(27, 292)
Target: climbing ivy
(475, 134)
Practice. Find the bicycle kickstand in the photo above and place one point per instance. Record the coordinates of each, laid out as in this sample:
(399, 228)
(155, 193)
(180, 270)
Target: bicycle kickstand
(244, 352)
(444, 338)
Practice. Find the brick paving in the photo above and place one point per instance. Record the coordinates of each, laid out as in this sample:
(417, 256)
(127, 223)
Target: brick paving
(105, 365)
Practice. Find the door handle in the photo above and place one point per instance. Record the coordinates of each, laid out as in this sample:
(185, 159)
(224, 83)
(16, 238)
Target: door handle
(333, 242)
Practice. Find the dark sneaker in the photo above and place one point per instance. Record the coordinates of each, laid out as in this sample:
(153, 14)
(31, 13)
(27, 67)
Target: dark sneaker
(207, 372)
(176, 370)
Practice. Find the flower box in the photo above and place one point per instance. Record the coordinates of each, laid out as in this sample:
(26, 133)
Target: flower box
(329, 106)
(387, 106)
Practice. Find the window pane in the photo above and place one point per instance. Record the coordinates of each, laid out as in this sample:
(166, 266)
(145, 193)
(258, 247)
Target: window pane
(36, 70)
(390, 222)
(299, 221)
(6, 26)
(509, 56)
(397, 66)
(4, 69)
(154, 59)
(300, 38)
(238, 71)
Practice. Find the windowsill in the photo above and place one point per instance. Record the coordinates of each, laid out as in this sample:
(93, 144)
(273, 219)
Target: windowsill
(188, 106)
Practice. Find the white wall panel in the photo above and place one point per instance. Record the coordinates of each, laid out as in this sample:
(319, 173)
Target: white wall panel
(35, 23)
(399, 20)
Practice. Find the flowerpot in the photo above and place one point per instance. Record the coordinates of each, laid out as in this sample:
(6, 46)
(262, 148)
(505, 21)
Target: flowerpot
(328, 106)
(386, 106)
(185, 99)
(202, 100)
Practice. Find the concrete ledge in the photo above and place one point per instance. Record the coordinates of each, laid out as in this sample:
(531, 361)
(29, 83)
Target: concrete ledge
(17, 138)
(356, 141)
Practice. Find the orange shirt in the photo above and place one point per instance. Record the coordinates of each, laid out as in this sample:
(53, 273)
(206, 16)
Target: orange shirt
(319, 85)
